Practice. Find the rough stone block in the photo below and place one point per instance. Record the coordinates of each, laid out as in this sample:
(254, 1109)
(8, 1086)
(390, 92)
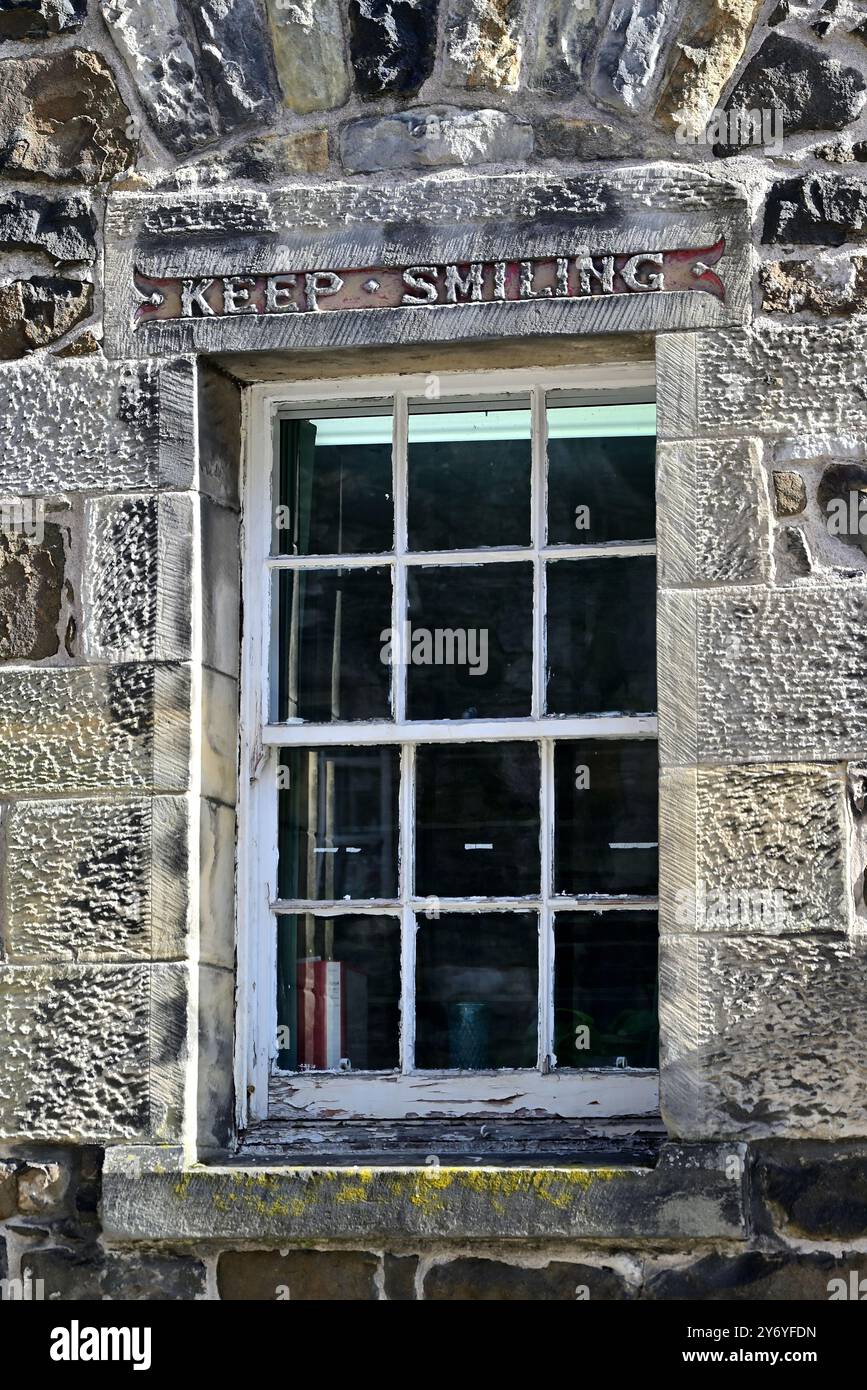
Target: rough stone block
(139, 578)
(93, 1053)
(96, 880)
(36, 312)
(310, 54)
(399, 1277)
(806, 89)
(713, 522)
(816, 210)
(300, 1275)
(90, 425)
(790, 492)
(8, 1191)
(493, 1281)
(63, 227)
(754, 849)
(810, 1191)
(564, 41)
(32, 589)
(483, 44)
(763, 1036)
(127, 1276)
(42, 133)
(235, 59)
(267, 160)
(835, 290)
(34, 19)
(97, 728)
(753, 1277)
(632, 46)
(711, 40)
(562, 138)
(43, 1188)
(433, 137)
(152, 38)
(392, 44)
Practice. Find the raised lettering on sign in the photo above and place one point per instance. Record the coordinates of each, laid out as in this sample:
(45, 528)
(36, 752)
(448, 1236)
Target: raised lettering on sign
(586, 274)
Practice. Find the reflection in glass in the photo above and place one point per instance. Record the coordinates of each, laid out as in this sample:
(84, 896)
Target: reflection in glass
(469, 477)
(605, 797)
(605, 990)
(338, 993)
(476, 990)
(331, 626)
(600, 473)
(334, 486)
(602, 636)
(338, 823)
(477, 820)
(470, 648)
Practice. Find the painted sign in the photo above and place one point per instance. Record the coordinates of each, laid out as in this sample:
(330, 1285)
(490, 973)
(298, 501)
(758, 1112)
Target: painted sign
(586, 275)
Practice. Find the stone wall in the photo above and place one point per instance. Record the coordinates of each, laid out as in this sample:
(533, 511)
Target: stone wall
(118, 690)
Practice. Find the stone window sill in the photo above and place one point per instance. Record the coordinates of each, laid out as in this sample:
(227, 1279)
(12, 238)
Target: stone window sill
(696, 1191)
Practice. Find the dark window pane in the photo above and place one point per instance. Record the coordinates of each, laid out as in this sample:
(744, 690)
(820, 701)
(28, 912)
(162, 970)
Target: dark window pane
(602, 636)
(605, 992)
(338, 992)
(338, 823)
(477, 985)
(600, 485)
(331, 625)
(606, 817)
(334, 491)
(477, 820)
(469, 478)
(471, 641)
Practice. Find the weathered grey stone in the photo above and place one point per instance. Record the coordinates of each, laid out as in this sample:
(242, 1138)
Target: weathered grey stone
(62, 117)
(152, 38)
(264, 160)
(38, 311)
(711, 40)
(752, 1277)
(34, 19)
(8, 1193)
(567, 32)
(4, 1262)
(754, 849)
(31, 593)
(792, 287)
(339, 1275)
(215, 1059)
(64, 227)
(219, 412)
(816, 210)
(713, 523)
(763, 1036)
(483, 44)
(89, 425)
(392, 45)
(217, 884)
(236, 59)
(84, 345)
(310, 53)
(92, 1052)
(559, 137)
(790, 492)
(138, 578)
(128, 1276)
(96, 880)
(691, 1191)
(399, 1273)
(794, 559)
(808, 90)
(632, 45)
(123, 727)
(432, 137)
(778, 673)
(481, 1280)
(810, 1191)
(220, 587)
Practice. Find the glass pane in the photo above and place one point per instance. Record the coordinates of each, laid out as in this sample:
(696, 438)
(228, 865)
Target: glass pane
(477, 987)
(333, 628)
(338, 993)
(338, 823)
(469, 477)
(605, 992)
(477, 820)
(605, 838)
(470, 647)
(602, 636)
(600, 473)
(334, 486)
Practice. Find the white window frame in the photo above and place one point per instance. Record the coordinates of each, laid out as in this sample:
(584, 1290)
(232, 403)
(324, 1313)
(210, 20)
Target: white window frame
(261, 1095)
